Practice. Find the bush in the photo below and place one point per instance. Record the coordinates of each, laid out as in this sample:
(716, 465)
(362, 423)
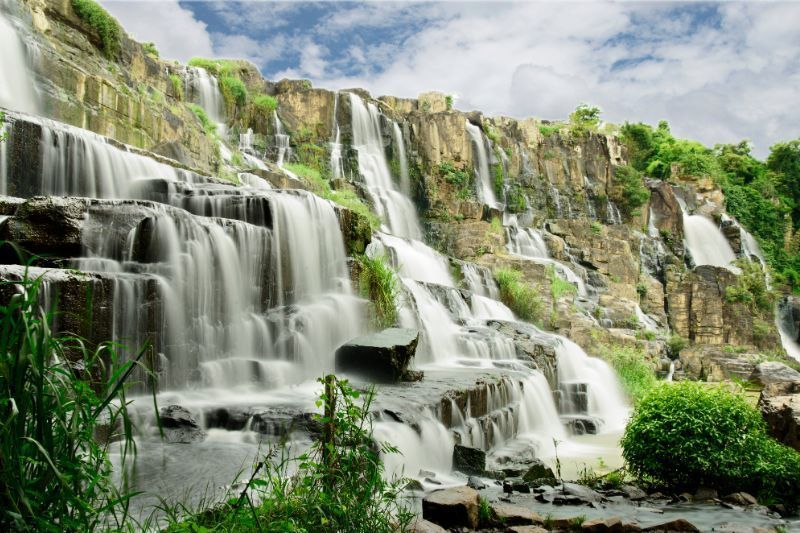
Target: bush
(233, 90)
(634, 370)
(104, 24)
(150, 49)
(177, 85)
(632, 192)
(546, 130)
(751, 287)
(559, 287)
(54, 393)
(265, 103)
(337, 486)
(208, 125)
(498, 183)
(686, 434)
(584, 119)
(378, 283)
(676, 343)
(520, 297)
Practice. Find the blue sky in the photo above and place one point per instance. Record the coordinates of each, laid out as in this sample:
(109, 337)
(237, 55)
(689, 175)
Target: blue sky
(719, 72)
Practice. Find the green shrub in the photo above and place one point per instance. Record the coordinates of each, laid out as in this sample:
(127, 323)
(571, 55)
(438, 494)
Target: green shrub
(177, 85)
(549, 129)
(150, 49)
(633, 193)
(215, 67)
(520, 297)
(448, 101)
(484, 512)
(515, 199)
(584, 119)
(751, 287)
(104, 24)
(687, 434)
(676, 343)
(233, 90)
(55, 393)
(634, 370)
(208, 125)
(491, 133)
(265, 103)
(499, 180)
(378, 283)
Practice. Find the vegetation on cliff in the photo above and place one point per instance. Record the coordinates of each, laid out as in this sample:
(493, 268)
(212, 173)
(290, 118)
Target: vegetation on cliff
(521, 297)
(378, 283)
(716, 439)
(107, 28)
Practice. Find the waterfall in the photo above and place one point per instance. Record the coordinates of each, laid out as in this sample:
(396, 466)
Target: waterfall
(284, 149)
(337, 166)
(246, 140)
(400, 145)
(786, 323)
(393, 207)
(480, 160)
(207, 95)
(480, 281)
(705, 242)
(17, 88)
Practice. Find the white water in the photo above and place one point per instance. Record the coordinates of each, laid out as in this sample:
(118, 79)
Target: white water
(17, 91)
(705, 242)
(480, 161)
(207, 95)
(246, 140)
(790, 337)
(282, 142)
(393, 207)
(337, 165)
(400, 146)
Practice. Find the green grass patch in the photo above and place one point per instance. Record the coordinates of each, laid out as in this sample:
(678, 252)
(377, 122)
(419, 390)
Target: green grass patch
(208, 125)
(633, 368)
(150, 49)
(177, 85)
(378, 283)
(547, 130)
(265, 103)
(559, 287)
(105, 25)
(521, 297)
(233, 91)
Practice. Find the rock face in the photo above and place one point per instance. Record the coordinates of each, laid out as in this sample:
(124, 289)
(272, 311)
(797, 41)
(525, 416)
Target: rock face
(452, 508)
(469, 460)
(381, 357)
(179, 426)
(771, 372)
(779, 404)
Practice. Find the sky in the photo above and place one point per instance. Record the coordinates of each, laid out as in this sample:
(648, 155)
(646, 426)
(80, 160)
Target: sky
(718, 72)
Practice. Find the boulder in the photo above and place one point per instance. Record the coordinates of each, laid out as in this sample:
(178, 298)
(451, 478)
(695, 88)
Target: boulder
(703, 494)
(773, 372)
(584, 493)
(538, 471)
(526, 529)
(420, 525)
(779, 404)
(180, 426)
(381, 357)
(515, 515)
(673, 525)
(741, 499)
(469, 460)
(476, 483)
(598, 525)
(633, 492)
(452, 508)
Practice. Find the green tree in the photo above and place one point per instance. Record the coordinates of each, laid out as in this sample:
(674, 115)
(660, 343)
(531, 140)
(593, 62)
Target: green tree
(584, 119)
(784, 161)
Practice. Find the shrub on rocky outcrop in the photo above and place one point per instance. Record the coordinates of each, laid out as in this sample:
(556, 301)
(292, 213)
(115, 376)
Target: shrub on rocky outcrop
(233, 91)
(378, 283)
(521, 297)
(631, 190)
(686, 435)
(265, 103)
(208, 125)
(634, 370)
(100, 21)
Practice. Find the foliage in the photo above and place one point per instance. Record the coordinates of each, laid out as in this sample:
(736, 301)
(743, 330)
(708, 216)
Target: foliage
(548, 129)
(784, 162)
(337, 485)
(3, 133)
(491, 133)
(233, 90)
(378, 283)
(457, 177)
(208, 125)
(265, 103)
(751, 287)
(177, 85)
(100, 21)
(717, 438)
(497, 226)
(345, 197)
(634, 370)
(150, 49)
(633, 193)
(499, 180)
(515, 199)
(596, 227)
(54, 475)
(676, 343)
(521, 297)
(448, 101)
(215, 67)
(584, 119)
(559, 287)
(484, 512)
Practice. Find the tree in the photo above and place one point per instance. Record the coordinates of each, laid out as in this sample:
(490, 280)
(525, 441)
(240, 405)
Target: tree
(784, 161)
(584, 119)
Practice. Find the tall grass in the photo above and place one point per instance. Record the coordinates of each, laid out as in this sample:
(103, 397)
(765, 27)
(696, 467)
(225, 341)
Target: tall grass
(55, 394)
(378, 283)
(523, 298)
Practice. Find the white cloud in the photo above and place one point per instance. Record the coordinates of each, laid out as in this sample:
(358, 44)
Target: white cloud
(174, 29)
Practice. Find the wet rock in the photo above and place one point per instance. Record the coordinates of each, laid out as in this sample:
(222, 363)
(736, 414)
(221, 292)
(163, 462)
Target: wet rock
(537, 472)
(49, 226)
(741, 499)
(514, 515)
(673, 525)
(232, 419)
(452, 508)
(469, 460)
(381, 357)
(779, 404)
(770, 372)
(285, 421)
(526, 529)
(475, 483)
(598, 525)
(633, 492)
(420, 525)
(179, 426)
(705, 494)
(412, 375)
(414, 485)
(584, 493)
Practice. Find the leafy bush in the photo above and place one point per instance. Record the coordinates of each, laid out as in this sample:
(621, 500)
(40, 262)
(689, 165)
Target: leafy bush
(150, 49)
(584, 119)
(177, 85)
(378, 283)
(337, 486)
(104, 24)
(633, 193)
(54, 394)
(208, 125)
(491, 133)
(499, 180)
(458, 177)
(233, 90)
(519, 296)
(686, 434)
(215, 67)
(265, 103)
(559, 287)
(448, 101)
(549, 129)
(751, 287)
(515, 199)
(634, 370)
(676, 343)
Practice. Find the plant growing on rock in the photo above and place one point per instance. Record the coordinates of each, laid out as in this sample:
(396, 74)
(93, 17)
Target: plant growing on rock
(633, 369)
(150, 49)
(106, 26)
(265, 103)
(378, 283)
(208, 125)
(584, 119)
(233, 91)
(685, 435)
(631, 190)
(751, 287)
(177, 85)
(521, 297)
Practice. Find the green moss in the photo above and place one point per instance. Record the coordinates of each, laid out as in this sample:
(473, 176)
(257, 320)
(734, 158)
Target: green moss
(521, 297)
(105, 25)
(177, 85)
(265, 103)
(208, 125)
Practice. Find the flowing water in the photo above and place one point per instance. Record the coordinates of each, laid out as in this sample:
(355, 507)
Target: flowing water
(480, 162)
(705, 242)
(282, 142)
(205, 93)
(17, 90)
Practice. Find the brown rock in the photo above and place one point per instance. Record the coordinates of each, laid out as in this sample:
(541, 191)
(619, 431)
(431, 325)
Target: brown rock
(526, 529)
(451, 508)
(779, 404)
(420, 525)
(514, 515)
(603, 524)
(740, 498)
(674, 525)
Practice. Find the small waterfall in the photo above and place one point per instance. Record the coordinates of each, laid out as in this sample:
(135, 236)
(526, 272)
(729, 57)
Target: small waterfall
(282, 142)
(246, 140)
(613, 215)
(400, 145)
(17, 88)
(670, 372)
(430, 448)
(644, 320)
(479, 281)
(394, 208)
(206, 94)
(480, 158)
(337, 165)
(652, 230)
(705, 242)
(786, 323)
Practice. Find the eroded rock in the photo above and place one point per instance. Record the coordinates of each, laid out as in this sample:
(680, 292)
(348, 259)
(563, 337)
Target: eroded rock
(381, 357)
(180, 426)
(452, 508)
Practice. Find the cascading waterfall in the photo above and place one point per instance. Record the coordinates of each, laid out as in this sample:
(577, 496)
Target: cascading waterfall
(393, 207)
(400, 146)
(246, 140)
(480, 158)
(17, 89)
(206, 94)
(282, 142)
(705, 242)
(337, 165)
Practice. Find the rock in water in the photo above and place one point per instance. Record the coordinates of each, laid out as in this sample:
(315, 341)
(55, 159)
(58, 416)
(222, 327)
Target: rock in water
(452, 508)
(469, 460)
(779, 404)
(538, 471)
(514, 515)
(381, 357)
(675, 525)
(179, 426)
